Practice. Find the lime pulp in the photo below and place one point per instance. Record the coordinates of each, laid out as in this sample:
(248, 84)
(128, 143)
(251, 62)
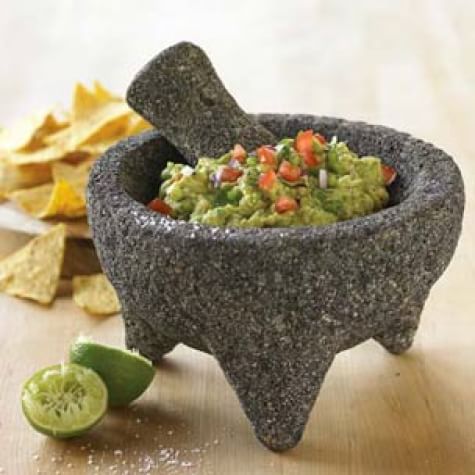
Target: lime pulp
(64, 400)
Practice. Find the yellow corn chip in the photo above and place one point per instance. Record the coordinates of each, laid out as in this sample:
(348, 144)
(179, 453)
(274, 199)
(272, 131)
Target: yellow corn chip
(102, 94)
(59, 199)
(97, 149)
(114, 129)
(95, 294)
(137, 124)
(66, 200)
(50, 126)
(42, 155)
(13, 177)
(72, 173)
(84, 102)
(33, 200)
(100, 123)
(28, 131)
(33, 272)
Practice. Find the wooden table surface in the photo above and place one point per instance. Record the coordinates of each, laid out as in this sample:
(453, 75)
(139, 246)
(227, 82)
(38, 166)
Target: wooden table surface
(407, 64)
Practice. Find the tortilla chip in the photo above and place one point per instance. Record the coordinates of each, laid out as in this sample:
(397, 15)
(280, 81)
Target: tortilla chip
(50, 126)
(97, 149)
(13, 177)
(33, 272)
(134, 125)
(66, 200)
(137, 125)
(112, 127)
(29, 132)
(42, 155)
(102, 94)
(76, 157)
(95, 294)
(100, 123)
(33, 200)
(62, 198)
(84, 102)
(72, 173)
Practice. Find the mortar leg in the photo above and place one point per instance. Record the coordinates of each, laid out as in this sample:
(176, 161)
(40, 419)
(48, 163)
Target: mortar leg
(277, 390)
(141, 336)
(399, 335)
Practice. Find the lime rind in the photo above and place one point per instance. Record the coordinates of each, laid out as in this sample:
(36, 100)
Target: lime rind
(134, 353)
(64, 400)
(127, 374)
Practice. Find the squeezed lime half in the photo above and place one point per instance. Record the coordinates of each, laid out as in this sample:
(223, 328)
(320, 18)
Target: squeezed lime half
(126, 373)
(64, 400)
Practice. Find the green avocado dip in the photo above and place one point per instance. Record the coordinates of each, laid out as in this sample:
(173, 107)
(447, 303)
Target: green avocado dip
(305, 181)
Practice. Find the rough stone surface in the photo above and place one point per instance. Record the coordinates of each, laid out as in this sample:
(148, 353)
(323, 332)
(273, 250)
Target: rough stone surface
(274, 306)
(180, 93)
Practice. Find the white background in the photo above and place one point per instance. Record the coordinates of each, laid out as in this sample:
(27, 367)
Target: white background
(282, 55)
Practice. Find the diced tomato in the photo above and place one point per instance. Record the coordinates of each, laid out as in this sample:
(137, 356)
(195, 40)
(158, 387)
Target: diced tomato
(285, 203)
(389, 174)
(321, 138)
(304, 145)
(266, 156)
(267, 180)
(289, 172)
(304, 141)
(229, 174)
(160, 206)
(239, 153)
(310, 159)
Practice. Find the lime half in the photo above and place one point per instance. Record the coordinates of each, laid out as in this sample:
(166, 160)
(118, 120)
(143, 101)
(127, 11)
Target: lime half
(64, 400)
(126, 374)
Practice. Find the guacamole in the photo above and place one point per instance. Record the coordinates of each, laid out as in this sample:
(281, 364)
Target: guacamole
(301, 181)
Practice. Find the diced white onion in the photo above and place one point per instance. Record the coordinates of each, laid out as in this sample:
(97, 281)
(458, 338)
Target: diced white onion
(233, 163)
(323, 178)
(187, 171)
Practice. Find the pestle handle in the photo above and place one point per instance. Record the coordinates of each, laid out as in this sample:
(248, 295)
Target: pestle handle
(179, 92)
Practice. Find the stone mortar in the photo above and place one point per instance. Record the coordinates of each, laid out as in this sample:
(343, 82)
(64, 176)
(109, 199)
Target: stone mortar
(274, 306)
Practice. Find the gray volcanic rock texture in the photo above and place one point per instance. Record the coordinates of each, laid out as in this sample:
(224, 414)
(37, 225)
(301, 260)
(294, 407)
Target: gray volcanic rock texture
(180, 93)
(274, 306)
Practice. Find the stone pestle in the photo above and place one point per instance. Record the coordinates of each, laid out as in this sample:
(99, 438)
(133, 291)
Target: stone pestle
(179, 92)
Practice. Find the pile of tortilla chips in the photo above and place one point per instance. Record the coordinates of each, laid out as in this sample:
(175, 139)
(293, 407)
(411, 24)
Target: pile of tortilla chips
(45, 159)
(45, 162)
(34, 271)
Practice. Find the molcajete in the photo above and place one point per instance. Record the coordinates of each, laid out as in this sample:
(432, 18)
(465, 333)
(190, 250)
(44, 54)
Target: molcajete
(274, 306)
